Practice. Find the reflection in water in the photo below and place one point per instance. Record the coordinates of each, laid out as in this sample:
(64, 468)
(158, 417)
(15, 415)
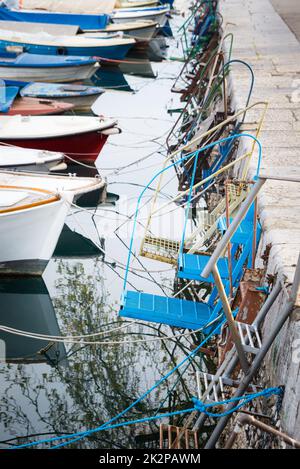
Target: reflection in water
(112, 78)
(141, 67)
(26, 305)
(99, 380)
(74, 245)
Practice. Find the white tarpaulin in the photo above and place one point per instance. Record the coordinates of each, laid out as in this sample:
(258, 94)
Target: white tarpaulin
(70, 6)
(53, 29)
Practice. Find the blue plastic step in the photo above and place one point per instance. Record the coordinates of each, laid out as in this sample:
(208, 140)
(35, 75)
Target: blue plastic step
(171, 311)
(190, 267)
(243, 233)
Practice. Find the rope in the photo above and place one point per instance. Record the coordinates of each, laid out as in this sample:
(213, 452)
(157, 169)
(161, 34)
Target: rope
(79, 435)
(73, 339)
(243, 400)
(198, 406)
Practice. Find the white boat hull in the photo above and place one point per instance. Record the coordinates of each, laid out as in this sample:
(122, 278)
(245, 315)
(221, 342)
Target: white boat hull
(143, 34)
(126, 17)
(52, 75)
(29, 237)
(80, 103)
(141, 31)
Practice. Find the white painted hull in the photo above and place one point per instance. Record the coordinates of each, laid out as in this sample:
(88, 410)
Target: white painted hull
(28, 237)
(125, 17)
(80, 103)
(137, 30)
(52, 75)
(143, 34)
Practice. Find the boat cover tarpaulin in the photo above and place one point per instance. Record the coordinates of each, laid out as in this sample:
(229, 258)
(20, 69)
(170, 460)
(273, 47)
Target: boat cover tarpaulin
(53, 29)
(86, 21)
(70, 6)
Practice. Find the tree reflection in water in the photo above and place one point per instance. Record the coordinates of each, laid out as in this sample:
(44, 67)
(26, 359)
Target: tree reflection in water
(96, 382)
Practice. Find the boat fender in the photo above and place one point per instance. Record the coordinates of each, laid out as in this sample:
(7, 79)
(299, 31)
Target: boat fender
(59, 167)
(111, 131)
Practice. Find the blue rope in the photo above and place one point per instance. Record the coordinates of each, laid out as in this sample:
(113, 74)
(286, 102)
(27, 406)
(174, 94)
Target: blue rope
(198, 406)
(79, 435)
(243, 400)
(263, 289)
(189, 202)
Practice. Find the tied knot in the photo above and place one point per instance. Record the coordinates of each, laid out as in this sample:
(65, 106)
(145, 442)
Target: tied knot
(199, 405)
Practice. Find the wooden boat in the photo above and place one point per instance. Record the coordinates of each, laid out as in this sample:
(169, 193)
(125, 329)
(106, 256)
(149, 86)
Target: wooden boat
(47, 44)
(38, 107)
(80, 97)
(11, 104)
(99, 7)
(31, 221)
(35, 67)
(33, 210)
(135, 3)
(95, 21)
(80, 137)
(73, 23)
(155, 14)
(139, 30)
(23, 159)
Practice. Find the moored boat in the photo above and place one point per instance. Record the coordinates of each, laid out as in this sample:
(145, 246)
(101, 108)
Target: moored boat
(81, 97)
(53, 22)
(155, 14)
(33, 210)
(80, 137)
(79, 45)
(31, 221)
(91, 21)
(120, 4)
(23, 159)
(36, 107)
(139, 30)
(36, 67)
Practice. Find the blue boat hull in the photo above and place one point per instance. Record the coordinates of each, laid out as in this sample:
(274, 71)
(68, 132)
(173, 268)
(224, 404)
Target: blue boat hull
(85, 22)
(116, 52)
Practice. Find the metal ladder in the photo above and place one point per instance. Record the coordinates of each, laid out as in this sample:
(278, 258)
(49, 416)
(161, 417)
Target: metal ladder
(246, 337)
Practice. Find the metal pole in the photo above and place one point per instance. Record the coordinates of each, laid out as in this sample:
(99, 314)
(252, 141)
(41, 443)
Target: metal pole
(227, 197)
(254, 234)
(233, 227)
(230, 319)
(250, 420)
(259, 358)
(231, 360)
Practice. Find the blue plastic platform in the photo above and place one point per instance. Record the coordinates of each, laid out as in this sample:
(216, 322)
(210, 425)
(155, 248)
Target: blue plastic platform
(171, 311)
(190, 267)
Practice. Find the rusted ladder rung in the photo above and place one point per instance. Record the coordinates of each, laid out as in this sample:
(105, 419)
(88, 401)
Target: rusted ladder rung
(175, 435)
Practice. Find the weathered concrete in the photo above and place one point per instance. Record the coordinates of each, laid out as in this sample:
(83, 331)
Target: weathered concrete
(264, 40)
(289, 10)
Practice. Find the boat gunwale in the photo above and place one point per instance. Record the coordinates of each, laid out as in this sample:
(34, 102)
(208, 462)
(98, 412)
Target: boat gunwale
(54, 198)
